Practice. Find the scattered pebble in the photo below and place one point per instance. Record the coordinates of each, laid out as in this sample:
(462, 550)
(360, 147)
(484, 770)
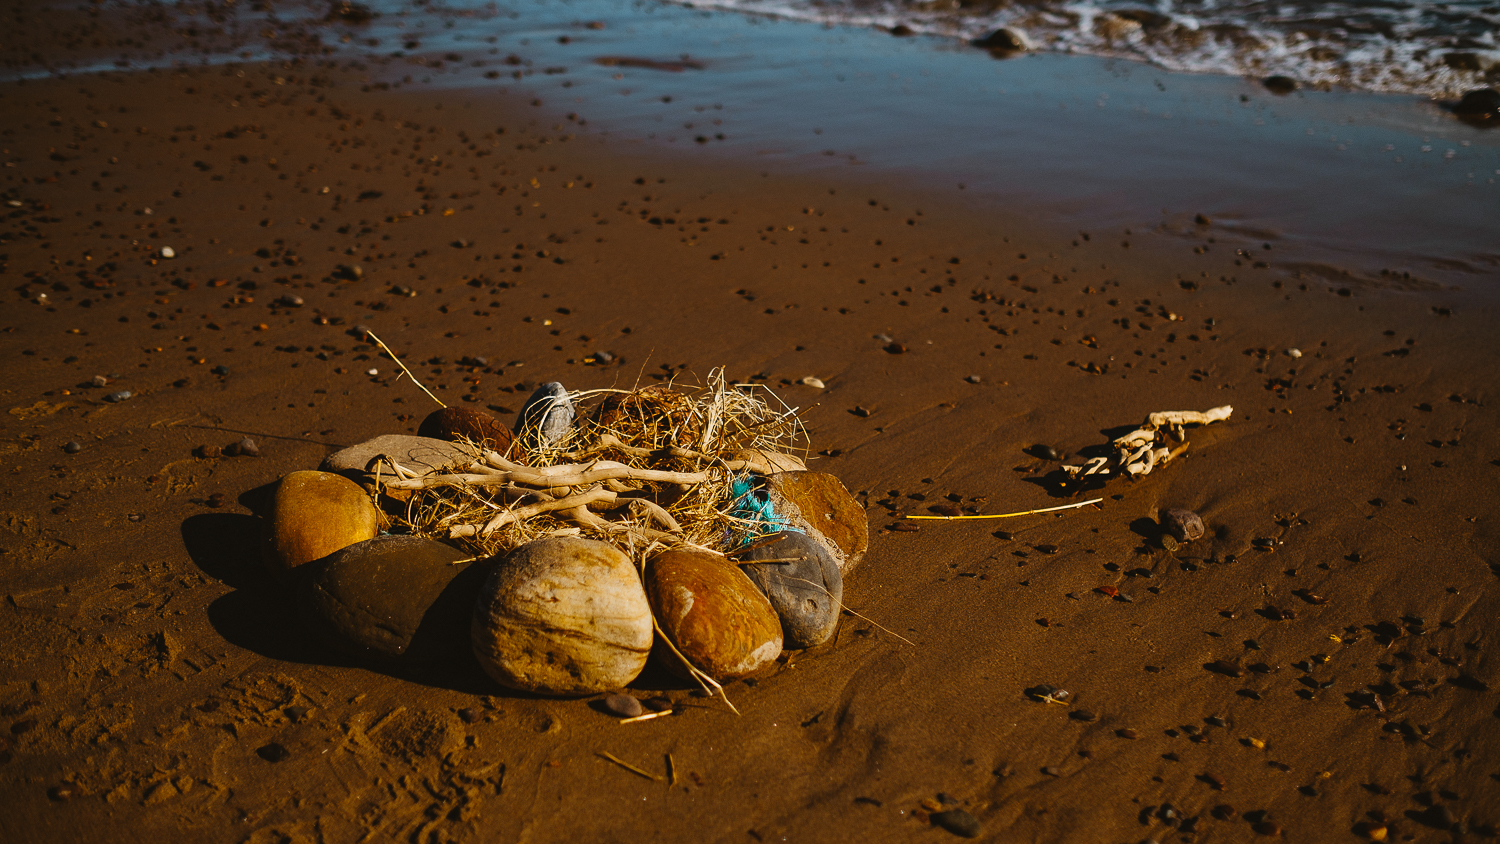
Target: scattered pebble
(1083, 715)
(1184, 525)
(973, 379)
(60, 793)
(1126, 733)
(168, 252)
(244, 447)
(957, 821)
(895, 348)
(273, 752)
(603, 357)
(661, 704)
(815, 383)
(861, 412)
(1267, 828)
(118, 396)
(99, 381)
(625, 706)
(216, 500)
(1279, 85)
(72, 447)
(1294, 353)
(469, 715)
(1051, 771)
(208, 452)
(1228, 669)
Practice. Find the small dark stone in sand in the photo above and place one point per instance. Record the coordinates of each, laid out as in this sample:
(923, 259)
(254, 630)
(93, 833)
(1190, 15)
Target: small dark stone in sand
(895, 348)
(1224, 812)
(1083, 715)
(1202, 220)
(208, 451)
(1003, 40)
(973, 379)
(1126, 733)
(1228, 669)
(901, 30)
(658, 704)
(469, 715)
(273, 752)
(1185, 525)
(1216, 721)
(60, 793)
(625, 706)
(1267, 828)
(1051, 771)
(245, 447)
(904, 527)
(72, 447)
(118, 396)
(296, 714)
(1168, 542)
(958, 822)
(1439, 817)
(1482, 103)
(1279, 84)
(1043, 451)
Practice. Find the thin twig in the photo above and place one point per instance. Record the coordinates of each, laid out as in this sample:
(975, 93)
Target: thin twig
(646, 717)
(1011, 515)
(629, 767)
(413, 378)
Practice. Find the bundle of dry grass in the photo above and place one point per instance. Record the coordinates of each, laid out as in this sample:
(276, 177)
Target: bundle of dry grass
(643, 469)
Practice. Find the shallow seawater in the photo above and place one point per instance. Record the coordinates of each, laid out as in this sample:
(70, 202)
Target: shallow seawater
(1384, 184)
(1396, 46)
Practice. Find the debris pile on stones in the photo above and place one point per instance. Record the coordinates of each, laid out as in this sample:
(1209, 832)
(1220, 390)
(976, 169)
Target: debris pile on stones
(602, 530)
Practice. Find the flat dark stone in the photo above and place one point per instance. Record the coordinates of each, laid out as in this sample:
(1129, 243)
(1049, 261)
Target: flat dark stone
(805, 587)
(377, 597)
(957, 821)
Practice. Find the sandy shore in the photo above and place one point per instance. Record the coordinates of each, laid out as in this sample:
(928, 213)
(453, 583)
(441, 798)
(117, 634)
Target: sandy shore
(1319, 665)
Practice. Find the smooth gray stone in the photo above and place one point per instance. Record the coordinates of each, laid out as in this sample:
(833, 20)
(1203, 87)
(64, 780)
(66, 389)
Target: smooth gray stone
(423, 455)
(806, 590)
(546, 417)
(1183, 524)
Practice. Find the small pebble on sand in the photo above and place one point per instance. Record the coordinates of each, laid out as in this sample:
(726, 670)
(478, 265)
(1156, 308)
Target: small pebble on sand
(957, 821)
(72, 447)
(625, 706)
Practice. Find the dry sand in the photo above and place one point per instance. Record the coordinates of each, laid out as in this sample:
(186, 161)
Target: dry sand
(1321, 660)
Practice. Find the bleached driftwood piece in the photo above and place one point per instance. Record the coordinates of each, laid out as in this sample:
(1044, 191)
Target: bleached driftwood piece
(1149, 446)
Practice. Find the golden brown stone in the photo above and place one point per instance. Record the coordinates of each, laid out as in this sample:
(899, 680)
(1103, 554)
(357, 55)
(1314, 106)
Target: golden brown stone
(314, 514)
(712, 613)
(819, 501)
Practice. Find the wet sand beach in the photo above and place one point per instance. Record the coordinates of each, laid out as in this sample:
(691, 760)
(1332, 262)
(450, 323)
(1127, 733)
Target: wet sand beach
(1318, 667)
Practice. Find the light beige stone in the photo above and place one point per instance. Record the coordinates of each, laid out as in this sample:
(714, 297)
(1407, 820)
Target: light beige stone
(563, 616)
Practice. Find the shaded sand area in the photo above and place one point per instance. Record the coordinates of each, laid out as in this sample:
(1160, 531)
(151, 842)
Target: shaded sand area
(1319, 666)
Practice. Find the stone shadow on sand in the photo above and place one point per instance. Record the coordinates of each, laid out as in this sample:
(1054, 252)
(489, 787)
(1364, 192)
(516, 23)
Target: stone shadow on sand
(262, 615)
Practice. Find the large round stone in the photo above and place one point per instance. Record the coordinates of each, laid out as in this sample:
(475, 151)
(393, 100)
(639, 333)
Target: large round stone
(819, 504)
(377, 597)
(713, 614)
(478, 426)
(563, 616)
(803, 583)
(314, 514)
